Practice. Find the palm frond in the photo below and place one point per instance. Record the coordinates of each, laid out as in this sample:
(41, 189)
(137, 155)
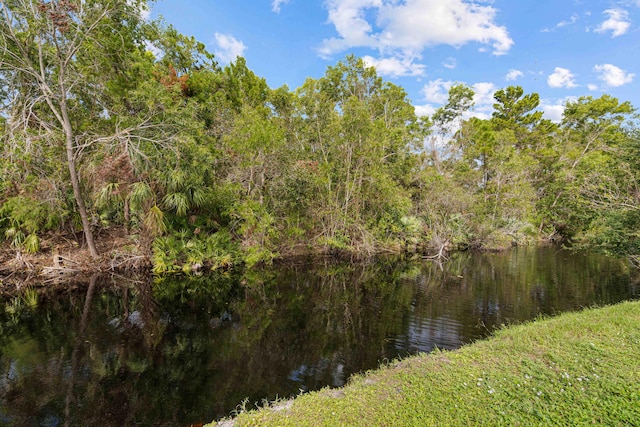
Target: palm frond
(139, 193)
(32, 244)
(108, 195)
(177, 202)
(154, 221)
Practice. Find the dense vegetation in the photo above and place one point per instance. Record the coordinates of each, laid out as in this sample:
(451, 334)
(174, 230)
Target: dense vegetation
(111, 123)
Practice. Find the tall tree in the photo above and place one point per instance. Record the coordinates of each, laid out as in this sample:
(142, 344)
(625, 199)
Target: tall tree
(593, 135)
(446, 122)
(46, 48)
(515, 111)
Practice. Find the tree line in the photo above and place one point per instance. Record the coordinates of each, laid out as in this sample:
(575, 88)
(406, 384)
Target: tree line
(114, 123)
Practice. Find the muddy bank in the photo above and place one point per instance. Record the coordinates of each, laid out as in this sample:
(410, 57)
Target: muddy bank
(67, 255)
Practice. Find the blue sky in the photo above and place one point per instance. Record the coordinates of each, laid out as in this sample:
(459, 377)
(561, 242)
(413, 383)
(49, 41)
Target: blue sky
(560, 49)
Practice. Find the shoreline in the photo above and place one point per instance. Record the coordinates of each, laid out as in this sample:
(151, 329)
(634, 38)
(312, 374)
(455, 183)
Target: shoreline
(574, 369)
(61, 256)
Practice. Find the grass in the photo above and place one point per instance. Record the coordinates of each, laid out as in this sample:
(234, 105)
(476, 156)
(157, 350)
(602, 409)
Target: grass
(575, 369)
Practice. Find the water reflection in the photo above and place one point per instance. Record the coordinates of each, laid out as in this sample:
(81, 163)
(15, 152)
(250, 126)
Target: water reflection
(139, 351)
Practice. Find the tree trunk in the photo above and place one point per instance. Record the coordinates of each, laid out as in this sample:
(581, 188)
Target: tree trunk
(75, 182)
(127, 215)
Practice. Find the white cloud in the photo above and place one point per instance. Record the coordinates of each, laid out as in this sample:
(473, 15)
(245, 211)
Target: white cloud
(276, 4)
(592, 87)
(618, 22)
(437, 91)
(574, 18)
(424, 110)
(613, 76)
(561, 77)
(482, 115)
(483, 97)
(450, 63)
(412, 25)
(395, 67)
(513, 74)
(228, 47)
(483, 100)
(553, 110)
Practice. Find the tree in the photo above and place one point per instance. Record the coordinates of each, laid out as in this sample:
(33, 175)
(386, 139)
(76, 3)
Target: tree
(361, 132)
(592, 175)
(47, 49)
(447, 121)
(517, 112)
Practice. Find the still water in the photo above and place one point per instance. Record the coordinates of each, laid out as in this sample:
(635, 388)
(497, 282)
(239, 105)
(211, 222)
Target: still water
(152, 352)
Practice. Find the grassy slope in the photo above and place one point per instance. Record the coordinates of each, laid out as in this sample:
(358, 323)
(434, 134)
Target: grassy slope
(575, 369)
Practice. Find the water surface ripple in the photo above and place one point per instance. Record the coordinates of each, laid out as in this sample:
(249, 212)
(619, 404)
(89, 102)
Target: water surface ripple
(176, 351)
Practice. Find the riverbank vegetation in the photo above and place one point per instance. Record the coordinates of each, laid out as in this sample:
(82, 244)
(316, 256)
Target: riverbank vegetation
(124, 144)
(574, 369)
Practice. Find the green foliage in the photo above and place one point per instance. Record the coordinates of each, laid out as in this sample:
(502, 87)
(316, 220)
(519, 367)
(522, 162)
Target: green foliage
(22, 218)
(338, 241)
(258, 256)
(459, 101)
(186, 252)
(155, 221)
(31, 244)
(16, 236)
(30, 215)
(254, 226)
(178, 149)
(617, 233)
(140, 194)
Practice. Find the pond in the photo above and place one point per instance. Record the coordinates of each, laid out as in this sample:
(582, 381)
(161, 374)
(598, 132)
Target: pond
(175, 351)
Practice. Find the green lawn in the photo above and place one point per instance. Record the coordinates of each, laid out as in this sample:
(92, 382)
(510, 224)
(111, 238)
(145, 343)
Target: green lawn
(575, 369)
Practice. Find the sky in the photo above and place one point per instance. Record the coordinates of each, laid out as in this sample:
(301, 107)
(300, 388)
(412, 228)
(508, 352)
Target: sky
(560, 49)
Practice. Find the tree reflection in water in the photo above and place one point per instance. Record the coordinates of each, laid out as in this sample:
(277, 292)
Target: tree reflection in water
(174, 351)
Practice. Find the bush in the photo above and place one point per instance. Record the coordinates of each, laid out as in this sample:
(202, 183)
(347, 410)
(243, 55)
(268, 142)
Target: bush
(22, 218)
(29, 215)
(184, 251)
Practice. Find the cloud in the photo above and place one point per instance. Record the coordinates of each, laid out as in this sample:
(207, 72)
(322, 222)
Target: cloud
(513, 74)
(554, 110)
(450, 63)
(561, 77)
(484, 94)
(483, 100)
(618, 22)
(395, 67)
(574, 18)
(411, 26)
(592, 87)
(275, 5)
(228, 48)
(424, 110)
(437, 91)
(613, 76)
